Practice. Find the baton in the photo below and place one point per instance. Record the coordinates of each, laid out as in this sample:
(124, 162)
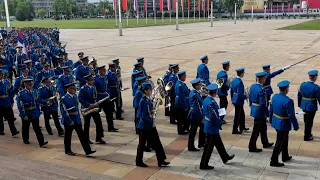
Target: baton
(305, 59)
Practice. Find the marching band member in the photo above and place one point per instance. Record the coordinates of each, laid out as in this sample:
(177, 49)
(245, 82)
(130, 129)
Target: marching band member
(212, 124)
(71, 120)
(39, 63)
(37, 54)
(137, 97)
(67, 61)
(195, 115)
(28, 104)
(115, 89)
(18, 83)
(87, 98)
(308, 99)
(79, 62)
(223, 90)
(137, 69)
(82, 71)
(141, 60)
(147, 130)
(182, 103)
(173, 78)
(49, 105)
(6, 104)
(282, 118)
(203, 71)
(259, 111)
(19, 59)
(118, 73)
(63, 80)
(102, 86)
(45, 72)
(58, 70)
(32, 71)
(136, 74)
(238, 96)
(166, 80)
(267, 84)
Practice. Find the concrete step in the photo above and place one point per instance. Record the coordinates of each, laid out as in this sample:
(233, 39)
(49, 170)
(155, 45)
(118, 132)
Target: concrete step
(19, 169)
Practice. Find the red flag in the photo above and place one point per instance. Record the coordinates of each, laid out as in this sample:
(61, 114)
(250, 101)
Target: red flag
(208, 4)
(169, 5)
(198, 5)
(188, 4)
(174, 4)
(161, 5)
(145, 5)
(124, 5)
(182, 4)
(289, 7)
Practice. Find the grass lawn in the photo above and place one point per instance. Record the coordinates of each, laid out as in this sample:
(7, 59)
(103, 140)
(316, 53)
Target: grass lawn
(96, 23)
(310, 25)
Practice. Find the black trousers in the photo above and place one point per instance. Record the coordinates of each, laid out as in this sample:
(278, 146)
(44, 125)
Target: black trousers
(166, 109)
(239, 118)
(136, 120)
(182, 122)
(150, 136)
(97, 121)
(213, 140)
(308, 118)
(68, 136)
(55, 117)
(172, 108)
(223, 104)
(192, 134)
(7, 113)
(281, 146)
(118, 102)
(259, 126)
(36, 128)
(107, 108)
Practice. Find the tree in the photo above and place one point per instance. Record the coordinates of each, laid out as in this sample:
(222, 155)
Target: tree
(41, 13)
(229, 5)
(24, 10)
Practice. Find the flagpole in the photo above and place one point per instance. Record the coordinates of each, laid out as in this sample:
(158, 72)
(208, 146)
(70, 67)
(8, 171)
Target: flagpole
(182, 10)
(115, 12)
(154, 12)
(211, 14)
(235, 13)
(170, 14)
(127, 18)
(177, 17)
(7, 13)
(194, 10)
(147, 15)
(120, 23)
(199, 10)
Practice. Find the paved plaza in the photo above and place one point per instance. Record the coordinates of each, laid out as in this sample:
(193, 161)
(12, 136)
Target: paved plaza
(246, 44)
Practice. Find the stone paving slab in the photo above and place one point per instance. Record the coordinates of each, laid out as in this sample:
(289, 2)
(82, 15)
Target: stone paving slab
(247, 44)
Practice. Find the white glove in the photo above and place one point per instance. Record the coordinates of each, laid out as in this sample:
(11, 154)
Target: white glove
(286, 67)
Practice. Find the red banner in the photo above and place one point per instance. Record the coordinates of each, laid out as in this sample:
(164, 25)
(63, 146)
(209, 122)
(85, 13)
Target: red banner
(198, 5)
(182, 4)
(124, 5)
(114, 4)
(188, 4)
(174, 4)
(145, 5)
(169, 5)
(161, 5)
(208, 5)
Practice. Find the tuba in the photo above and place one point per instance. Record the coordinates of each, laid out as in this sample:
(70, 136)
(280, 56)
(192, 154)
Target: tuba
(159, 92)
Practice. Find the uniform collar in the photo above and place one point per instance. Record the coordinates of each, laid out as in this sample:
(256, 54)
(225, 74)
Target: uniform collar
(89, 86)
(71, 95)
